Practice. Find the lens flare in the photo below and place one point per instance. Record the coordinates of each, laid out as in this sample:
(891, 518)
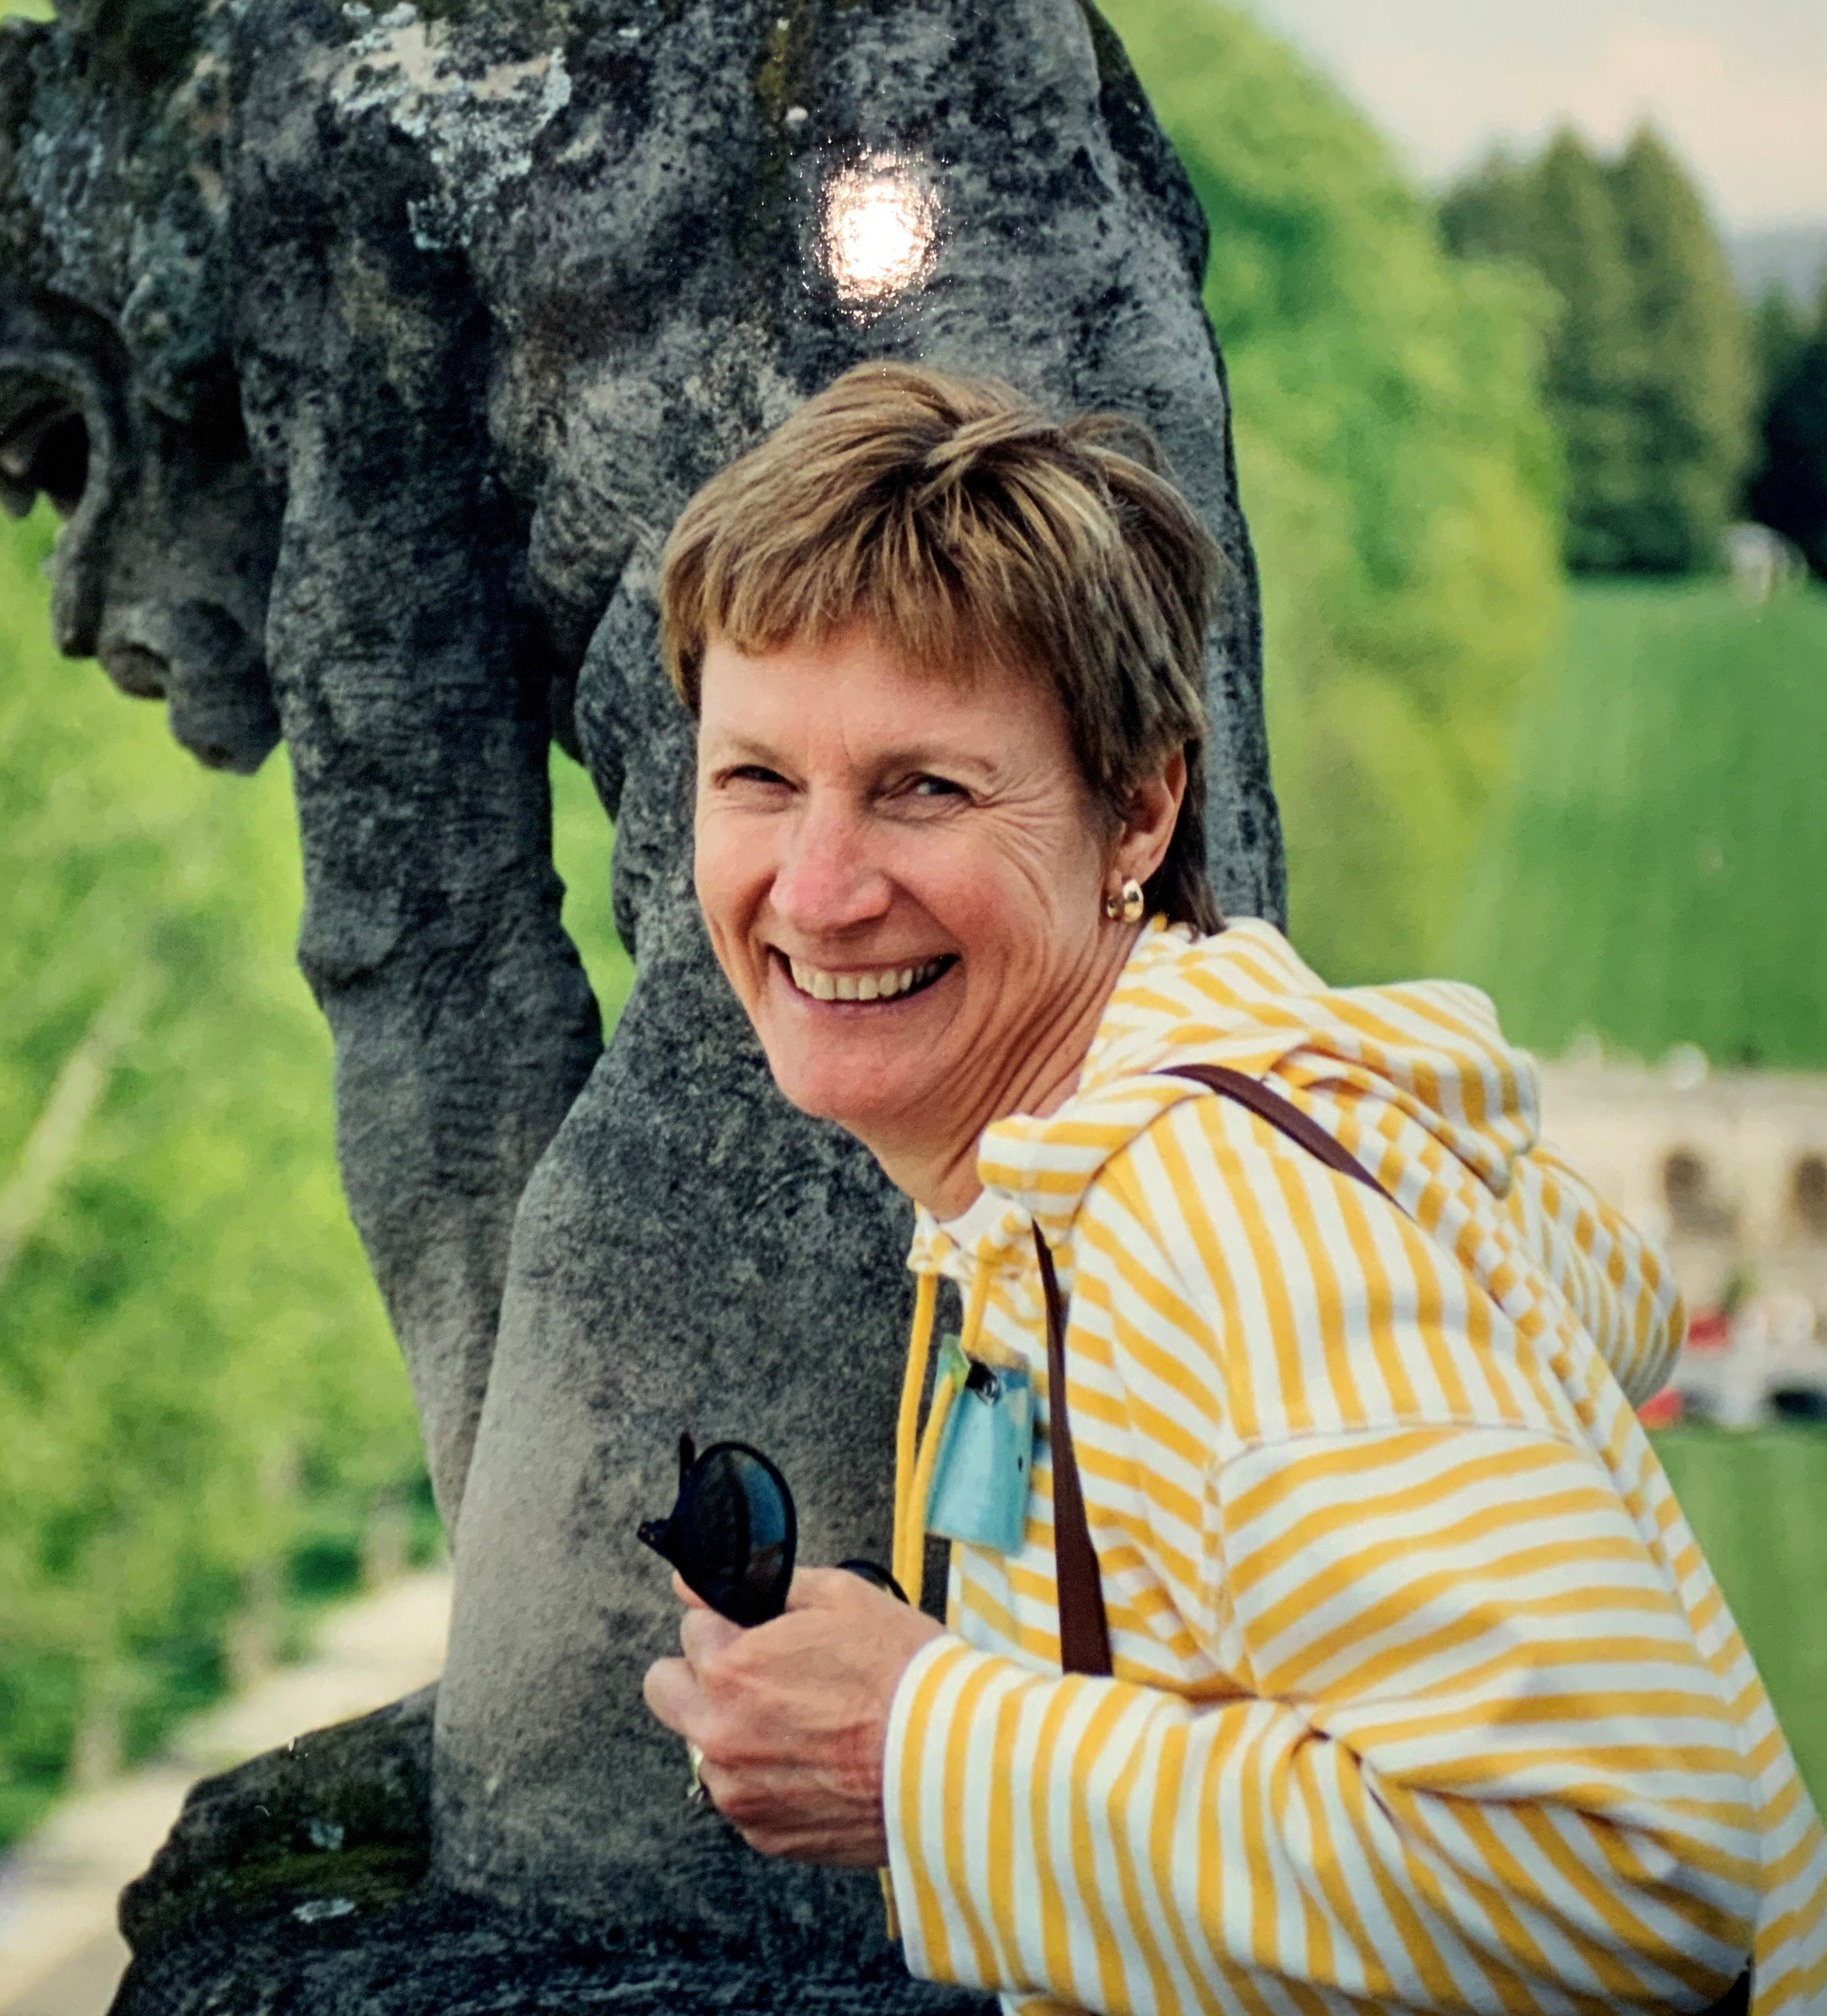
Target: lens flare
(878, 231)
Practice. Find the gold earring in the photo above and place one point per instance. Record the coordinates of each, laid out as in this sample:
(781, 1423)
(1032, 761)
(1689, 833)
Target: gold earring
(1125, 908)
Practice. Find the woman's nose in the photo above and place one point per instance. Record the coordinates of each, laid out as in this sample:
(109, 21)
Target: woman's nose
(825, 881)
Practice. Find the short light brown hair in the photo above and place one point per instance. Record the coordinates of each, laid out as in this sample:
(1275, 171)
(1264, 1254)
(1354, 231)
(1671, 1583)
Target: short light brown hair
(963, 527)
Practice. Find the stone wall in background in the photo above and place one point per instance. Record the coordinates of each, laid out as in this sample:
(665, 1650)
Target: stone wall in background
(1728, 1169)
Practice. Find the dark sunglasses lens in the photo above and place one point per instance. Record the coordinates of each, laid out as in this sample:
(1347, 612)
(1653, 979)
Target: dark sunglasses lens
(732, 1533)
(740, 1506)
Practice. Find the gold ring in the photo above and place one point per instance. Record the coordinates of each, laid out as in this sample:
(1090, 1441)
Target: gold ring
(696, 1794)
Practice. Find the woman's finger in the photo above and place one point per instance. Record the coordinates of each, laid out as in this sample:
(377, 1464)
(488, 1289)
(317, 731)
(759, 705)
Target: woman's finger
(703, 1634)
(685, 1594)
(810, 1589)
(826, 1588)
(671, 1693)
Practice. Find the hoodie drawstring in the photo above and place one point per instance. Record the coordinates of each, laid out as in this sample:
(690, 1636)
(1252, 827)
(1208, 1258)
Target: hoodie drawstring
(916, 1455)
(907, 1424)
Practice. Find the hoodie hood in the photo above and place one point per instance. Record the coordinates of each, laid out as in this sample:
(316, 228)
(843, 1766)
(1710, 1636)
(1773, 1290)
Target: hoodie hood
(1424, 1064)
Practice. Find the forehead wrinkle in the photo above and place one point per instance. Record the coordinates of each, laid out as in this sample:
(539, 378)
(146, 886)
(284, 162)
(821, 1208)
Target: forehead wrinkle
(920, 751)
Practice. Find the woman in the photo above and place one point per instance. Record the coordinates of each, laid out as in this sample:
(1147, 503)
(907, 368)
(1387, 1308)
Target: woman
(1421, 1697)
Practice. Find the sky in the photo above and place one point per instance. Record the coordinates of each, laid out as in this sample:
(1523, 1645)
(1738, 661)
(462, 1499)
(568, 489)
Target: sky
(1740, 86)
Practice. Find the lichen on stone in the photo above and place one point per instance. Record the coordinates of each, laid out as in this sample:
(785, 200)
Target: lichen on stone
(477, 122)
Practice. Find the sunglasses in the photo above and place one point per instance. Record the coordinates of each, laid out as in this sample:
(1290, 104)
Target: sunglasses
(732, 1533)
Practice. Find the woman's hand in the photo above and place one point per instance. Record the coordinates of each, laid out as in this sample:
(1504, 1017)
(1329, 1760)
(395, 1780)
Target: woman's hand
(792, 1717)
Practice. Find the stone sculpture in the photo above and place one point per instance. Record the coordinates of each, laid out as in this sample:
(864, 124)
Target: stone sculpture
(371, 354)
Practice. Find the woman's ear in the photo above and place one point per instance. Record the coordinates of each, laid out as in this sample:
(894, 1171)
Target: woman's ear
(1154, 811)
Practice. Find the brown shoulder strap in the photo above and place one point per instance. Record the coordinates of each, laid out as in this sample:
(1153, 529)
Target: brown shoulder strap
(1736, 2001)
(1280, 1113)
(1084, 1636)
(1084, 1631)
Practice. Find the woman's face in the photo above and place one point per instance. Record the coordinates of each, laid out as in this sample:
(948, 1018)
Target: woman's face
(903, 877)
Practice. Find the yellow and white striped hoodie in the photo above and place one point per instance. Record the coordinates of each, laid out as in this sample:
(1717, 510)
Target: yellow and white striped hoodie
(1425, 1697)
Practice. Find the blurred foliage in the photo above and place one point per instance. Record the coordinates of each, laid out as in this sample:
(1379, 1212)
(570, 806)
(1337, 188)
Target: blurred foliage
(1649, 375)
(582, 845)
(1652, 874)
(1780, 332)
(194, 1369)
(1558, 221)
(1694, 384)
(1787, 486)
(1398, 471)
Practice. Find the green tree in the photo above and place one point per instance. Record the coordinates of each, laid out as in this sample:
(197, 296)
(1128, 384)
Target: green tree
(1592, 358)
(1492, 213)
(1400, 477)
(1559, 217)
(1649, 375)
(1692, 386)
(1779, 333)
(1787, 486)
(194, 1369)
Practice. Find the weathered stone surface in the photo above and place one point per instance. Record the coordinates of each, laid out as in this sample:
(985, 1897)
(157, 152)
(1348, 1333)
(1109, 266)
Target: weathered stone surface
(117, 397)
(337, 1823)
(439, 1956)
(395, 341)
(299, 1882)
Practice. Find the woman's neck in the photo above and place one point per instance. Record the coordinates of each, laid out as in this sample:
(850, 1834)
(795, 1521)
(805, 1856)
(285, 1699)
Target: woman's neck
(939, 1170)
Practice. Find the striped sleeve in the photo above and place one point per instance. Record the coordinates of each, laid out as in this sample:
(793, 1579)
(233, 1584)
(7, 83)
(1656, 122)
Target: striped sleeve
(1447, 1739)
(1451, 1787)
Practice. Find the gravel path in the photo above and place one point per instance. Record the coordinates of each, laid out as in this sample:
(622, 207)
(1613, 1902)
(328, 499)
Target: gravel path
(59, 1953)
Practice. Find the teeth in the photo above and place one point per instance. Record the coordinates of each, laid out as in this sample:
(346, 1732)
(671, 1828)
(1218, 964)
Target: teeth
(881, 986)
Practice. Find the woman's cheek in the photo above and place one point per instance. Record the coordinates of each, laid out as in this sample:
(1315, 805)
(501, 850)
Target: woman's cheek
(725, 876)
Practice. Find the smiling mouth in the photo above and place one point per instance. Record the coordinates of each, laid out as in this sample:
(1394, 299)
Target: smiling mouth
(886, 983)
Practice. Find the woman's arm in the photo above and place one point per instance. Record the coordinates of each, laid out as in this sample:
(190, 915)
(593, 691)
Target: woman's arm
(1447, 1736)
(1483, 1764)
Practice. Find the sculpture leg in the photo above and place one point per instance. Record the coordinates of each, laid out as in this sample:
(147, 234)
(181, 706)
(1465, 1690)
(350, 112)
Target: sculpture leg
(409, 684)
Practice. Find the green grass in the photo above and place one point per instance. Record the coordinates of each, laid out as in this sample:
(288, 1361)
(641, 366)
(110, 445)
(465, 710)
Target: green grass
(582, 842)
(1757, 1503)
(1656, 871)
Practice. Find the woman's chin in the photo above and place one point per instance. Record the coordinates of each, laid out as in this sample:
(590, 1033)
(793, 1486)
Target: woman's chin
(867, 1099)
(869, 1068)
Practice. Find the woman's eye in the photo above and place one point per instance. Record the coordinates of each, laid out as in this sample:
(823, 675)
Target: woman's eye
(753, 773)
(929, 787)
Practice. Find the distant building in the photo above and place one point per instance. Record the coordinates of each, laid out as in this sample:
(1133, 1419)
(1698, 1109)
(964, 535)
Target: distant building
(1728, 1169)
(1760, 561)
